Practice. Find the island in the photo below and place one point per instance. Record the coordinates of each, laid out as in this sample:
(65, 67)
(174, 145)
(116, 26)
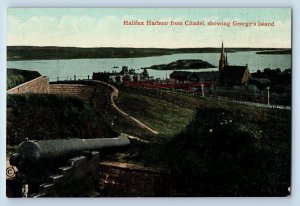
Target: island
(183, 64)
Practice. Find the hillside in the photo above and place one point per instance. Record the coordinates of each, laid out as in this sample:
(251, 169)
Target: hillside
(47, 116)
(211, 147)
(233, 152)
(223, 149)
(168, 119)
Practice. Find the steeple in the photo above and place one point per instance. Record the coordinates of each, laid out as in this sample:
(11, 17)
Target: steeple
(222, 48)
(222, 61)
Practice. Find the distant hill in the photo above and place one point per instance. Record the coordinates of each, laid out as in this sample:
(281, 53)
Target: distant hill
(277, 51)
(52, 52)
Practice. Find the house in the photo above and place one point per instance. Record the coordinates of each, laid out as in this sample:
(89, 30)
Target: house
(204, 76)
(181, 76)
(194, 76)
(234, 75)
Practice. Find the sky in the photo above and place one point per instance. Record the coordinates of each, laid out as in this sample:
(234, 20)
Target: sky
(95, 27)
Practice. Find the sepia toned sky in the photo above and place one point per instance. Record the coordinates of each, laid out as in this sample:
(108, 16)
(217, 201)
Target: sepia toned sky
(92, 27)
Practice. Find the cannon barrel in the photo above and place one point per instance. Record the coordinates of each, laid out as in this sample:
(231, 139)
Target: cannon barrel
(61, 167)
(35, 151)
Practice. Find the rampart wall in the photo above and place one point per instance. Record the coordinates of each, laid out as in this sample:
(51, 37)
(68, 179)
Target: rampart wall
(41, 85)
(37, 85)
(80, 91)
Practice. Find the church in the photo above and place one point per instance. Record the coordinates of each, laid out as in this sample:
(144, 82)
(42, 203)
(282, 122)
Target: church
(230, 75)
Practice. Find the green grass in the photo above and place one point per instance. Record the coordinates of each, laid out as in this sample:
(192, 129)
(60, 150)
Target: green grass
(162, 116)
(211, 147)
(220, 148)
(237, 151)
(47, 116)
(16, 77)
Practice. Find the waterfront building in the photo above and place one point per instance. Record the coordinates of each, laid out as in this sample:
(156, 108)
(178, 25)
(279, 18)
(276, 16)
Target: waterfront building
(125, 75)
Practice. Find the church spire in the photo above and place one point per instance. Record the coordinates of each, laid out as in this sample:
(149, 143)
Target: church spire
(222, 61)
(222, 51)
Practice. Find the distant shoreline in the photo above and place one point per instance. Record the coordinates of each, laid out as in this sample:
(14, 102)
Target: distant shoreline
(277, 51)
(15, 53)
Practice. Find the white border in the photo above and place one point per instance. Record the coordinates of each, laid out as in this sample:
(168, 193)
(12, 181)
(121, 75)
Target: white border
(288, 201)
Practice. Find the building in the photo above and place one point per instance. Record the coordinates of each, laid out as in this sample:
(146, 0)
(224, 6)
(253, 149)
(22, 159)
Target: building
(231, 75)
(125, 75)
(186, 76)
(234, 75)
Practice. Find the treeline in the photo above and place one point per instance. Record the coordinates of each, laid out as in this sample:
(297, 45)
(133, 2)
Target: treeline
(276, 77)
(52, 52)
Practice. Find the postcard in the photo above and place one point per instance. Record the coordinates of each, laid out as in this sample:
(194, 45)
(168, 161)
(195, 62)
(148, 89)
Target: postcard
(148, 102)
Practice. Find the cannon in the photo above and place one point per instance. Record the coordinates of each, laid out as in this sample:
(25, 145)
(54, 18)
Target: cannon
(59, 168)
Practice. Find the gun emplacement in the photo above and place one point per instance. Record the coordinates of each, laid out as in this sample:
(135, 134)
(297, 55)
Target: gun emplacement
(54, 167)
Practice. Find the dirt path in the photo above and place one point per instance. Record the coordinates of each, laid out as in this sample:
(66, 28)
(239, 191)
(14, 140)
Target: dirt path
(114, 95)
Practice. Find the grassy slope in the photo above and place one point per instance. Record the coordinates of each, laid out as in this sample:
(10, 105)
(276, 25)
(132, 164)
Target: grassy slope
(16, 77)
(167, 118)
(47, 116)
(246, 154)
(251, 155)
(170, 114)
(243, 150)
(161, 115)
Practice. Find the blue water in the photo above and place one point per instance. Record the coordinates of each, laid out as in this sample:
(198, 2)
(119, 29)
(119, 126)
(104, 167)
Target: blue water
(84, 67)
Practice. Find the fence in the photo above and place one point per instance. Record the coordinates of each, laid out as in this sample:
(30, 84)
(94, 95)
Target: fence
(174, 97)
(70, 78)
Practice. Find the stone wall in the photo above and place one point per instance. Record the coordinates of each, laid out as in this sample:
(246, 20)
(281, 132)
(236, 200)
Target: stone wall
(128, 180)
(80, 91)
(37, 85)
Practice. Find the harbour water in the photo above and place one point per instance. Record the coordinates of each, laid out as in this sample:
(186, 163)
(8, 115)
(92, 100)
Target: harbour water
(67, 68)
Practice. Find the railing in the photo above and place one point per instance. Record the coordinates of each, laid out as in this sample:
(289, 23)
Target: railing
(257, 104)
(70, 78)
(217, 97)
